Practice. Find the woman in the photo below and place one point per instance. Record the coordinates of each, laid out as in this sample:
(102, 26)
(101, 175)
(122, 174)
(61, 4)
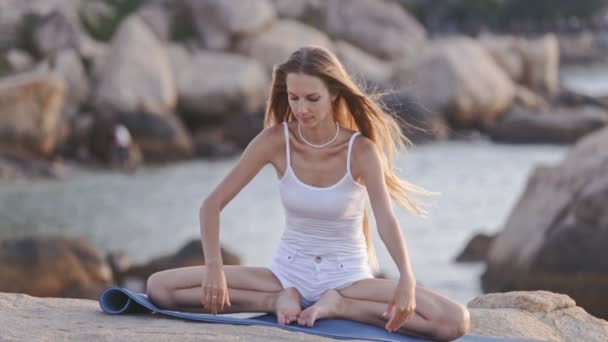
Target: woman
(330, 144)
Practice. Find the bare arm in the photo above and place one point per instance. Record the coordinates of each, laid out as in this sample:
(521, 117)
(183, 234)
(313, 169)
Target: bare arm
(403, 305)
(256, 155)
(388, 226)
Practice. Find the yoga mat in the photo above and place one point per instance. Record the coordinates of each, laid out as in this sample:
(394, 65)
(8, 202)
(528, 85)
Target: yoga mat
(118, 301)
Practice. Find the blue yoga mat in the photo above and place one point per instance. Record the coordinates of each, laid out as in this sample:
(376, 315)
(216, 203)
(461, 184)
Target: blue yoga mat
(118, 301)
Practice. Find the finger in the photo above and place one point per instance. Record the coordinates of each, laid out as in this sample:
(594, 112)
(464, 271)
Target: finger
(207, 298)
(389, 309)
(214, 305)
(221, 300)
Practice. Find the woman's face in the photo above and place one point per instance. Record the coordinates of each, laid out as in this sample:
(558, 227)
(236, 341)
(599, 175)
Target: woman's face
(309, 99)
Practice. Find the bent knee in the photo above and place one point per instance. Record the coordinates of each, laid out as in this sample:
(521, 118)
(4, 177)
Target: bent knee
(454, 325)
(157, 291)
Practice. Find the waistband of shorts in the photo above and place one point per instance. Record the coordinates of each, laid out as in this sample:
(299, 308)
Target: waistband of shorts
(286, 248)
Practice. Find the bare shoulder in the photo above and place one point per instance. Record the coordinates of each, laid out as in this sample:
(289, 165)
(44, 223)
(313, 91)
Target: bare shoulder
(365, 158)
(364, 149)
(268, 141)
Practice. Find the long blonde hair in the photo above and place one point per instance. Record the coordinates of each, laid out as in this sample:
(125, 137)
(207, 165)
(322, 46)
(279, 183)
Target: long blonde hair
(353, 109)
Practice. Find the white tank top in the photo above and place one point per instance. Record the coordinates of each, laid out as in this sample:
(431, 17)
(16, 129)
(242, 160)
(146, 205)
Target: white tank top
(323, 220)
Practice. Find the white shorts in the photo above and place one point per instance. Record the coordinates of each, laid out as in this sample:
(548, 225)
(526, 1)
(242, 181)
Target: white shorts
(312, 275)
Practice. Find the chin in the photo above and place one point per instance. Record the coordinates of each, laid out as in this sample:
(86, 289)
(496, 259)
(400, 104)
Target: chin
(309, 123)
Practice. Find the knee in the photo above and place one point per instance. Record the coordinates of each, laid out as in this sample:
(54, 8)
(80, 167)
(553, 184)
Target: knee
(454, 325)
(157, 291)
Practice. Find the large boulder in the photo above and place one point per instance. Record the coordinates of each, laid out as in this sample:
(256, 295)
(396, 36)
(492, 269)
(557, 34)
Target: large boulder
(298, 9)
(539, 315)
(17, 17)
(136, 73)
(365, 68)
(216, 85)
(137, 85)
(556, 235)
(53, 266)
(533, 63)
(270, 47)
(458, 79)
(68, 64)
(218, 22)
(382, 28)
(31, 108)
(558, 126)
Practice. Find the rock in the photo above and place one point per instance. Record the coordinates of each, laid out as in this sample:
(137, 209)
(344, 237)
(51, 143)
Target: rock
(67, 63)
(418, 123)
(53, 266)
(362, 22)
(160, 139)
(555, 236)
(80, 319)
(14, 167)
(217, 22)
(298, 9)
(506, 51)
(30, 113)
(533, 63)
(458, 79)
(210, 143)
(558, 126)
(191, 254)
(580, 47)
(270, 47)
(17, 17)
(19, 60)
(241, 130)
(54, 32)
(213, 86)
(52, 319)
(476, 249)
(365, 68)
(157, 17)
(541, 60)
(136, 74)
(540, 315)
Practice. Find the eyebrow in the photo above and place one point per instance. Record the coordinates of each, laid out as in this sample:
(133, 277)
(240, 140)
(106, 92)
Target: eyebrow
(292, 94)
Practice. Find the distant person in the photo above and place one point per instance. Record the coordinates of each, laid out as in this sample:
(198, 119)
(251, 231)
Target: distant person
(121, 147)
(331, 146)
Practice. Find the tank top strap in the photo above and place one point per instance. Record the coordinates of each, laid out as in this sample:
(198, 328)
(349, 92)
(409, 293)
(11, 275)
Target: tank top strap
(286, 129)
(350, 148)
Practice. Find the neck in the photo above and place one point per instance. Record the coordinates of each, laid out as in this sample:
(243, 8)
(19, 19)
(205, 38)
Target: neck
(321, 133)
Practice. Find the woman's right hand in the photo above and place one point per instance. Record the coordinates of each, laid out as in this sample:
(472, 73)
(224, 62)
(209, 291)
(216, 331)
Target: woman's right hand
(215, 289)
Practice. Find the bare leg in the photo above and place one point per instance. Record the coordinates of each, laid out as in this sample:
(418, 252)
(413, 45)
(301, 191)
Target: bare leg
(251, 289)
(436, 316)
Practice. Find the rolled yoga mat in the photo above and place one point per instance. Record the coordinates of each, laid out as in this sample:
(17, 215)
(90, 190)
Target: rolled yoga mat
(117, 301)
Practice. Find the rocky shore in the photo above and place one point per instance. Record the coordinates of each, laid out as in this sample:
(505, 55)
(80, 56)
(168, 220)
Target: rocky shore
(534, 315)
(555, 237)
(73, 73)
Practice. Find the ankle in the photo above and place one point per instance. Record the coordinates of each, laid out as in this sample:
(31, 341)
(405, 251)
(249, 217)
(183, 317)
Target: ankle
(270, 301)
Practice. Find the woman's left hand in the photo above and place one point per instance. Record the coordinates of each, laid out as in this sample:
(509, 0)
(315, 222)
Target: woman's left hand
(403, 305)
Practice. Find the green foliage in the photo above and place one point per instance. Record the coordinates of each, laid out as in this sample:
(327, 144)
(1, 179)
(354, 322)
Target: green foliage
(104, 26)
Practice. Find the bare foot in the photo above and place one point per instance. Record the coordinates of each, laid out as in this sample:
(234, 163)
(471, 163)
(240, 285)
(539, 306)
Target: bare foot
(287, 307)
(328, 306)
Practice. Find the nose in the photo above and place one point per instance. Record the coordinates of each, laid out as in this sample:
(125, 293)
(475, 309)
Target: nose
(301, 108)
